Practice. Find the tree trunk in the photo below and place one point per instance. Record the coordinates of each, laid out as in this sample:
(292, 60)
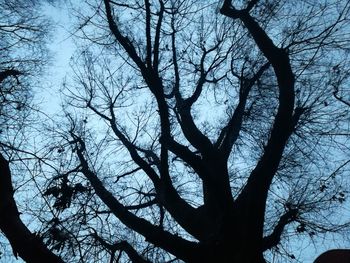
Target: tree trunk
(231, 254)
(233, 244)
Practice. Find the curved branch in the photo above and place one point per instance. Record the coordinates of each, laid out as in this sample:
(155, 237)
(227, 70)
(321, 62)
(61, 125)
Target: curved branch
(274, 238)
(123, 40)
(24, 243)
(255, 192)
(174, 244)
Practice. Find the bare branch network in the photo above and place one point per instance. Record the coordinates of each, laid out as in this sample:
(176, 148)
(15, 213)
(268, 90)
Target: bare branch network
(190, 131)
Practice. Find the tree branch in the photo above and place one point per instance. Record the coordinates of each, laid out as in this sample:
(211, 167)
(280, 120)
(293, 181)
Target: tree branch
(157, 36)
(251, 4)
(185, 214)
(123, 40)
(134, 256)
(24, 243)
(130, 251)
(183, 107)
(187, 155)
(255, 192)
(142, 205)
(159, 237)
(148, 34)
(340, 98)
(274, 238)
(9, 72)
(230, 133)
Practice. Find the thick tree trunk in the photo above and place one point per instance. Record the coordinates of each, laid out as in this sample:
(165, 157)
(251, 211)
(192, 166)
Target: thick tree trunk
(232, 254)
(235, 242)
(24, 243)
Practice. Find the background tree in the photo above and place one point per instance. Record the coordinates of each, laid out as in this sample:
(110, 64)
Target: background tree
(200, 131)
(22, 56)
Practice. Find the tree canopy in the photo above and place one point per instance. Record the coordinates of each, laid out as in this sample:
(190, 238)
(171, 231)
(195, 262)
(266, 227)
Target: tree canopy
(190, 131)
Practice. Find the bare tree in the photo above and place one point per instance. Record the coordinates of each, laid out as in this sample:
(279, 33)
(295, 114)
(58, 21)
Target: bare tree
(200, 131)
(22, 33)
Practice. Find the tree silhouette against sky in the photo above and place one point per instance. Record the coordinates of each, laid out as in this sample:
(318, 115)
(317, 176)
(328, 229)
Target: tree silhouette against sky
(199, 131)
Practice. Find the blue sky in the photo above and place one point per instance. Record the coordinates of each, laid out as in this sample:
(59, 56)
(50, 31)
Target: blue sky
(62, 48)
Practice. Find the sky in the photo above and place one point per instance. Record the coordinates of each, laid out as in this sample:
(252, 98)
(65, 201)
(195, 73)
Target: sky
(62, 48)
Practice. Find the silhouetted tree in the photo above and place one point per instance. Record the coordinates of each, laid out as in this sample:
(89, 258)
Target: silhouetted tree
(200, 131)
(22, 54)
